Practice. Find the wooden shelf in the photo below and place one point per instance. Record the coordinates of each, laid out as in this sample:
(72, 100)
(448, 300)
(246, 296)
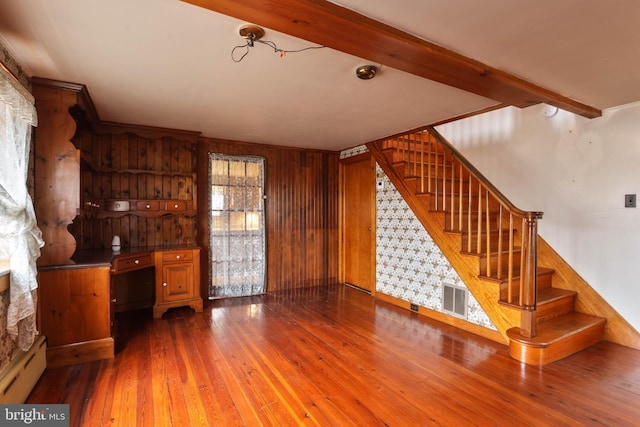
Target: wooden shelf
(87, 166)
(151, 208)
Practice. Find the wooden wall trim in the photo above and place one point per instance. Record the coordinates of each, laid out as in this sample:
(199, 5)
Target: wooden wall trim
(150, 132)
(248, 145)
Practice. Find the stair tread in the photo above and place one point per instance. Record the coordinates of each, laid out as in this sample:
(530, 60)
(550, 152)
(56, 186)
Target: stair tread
(483, 254)
(541, 270)
(558, 328)
(549, 295)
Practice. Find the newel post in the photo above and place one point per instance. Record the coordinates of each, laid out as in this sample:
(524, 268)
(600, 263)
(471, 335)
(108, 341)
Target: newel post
(529, 275)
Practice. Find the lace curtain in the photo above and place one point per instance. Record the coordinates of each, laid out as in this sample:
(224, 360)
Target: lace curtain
(236, 224)
(20, 238)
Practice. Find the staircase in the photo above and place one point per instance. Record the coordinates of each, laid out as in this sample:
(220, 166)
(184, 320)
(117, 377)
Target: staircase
(492, 245)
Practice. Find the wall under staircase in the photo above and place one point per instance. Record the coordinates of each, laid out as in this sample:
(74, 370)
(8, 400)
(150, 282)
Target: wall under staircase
(435, 181)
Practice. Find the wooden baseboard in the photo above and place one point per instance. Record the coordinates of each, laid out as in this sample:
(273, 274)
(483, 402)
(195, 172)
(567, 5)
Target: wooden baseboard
(87, 351)
(441, 317)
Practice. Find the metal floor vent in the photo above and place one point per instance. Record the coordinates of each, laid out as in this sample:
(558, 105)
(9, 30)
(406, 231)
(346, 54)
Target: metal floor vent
(454, 300)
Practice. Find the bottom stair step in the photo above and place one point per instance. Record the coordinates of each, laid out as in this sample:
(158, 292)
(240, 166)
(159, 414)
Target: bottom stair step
(556, 338)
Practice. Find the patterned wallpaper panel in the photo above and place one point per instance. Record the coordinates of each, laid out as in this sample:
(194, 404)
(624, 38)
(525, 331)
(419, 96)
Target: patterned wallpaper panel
(350, 152)
(409, 265)
(8, 347)
(8, 60)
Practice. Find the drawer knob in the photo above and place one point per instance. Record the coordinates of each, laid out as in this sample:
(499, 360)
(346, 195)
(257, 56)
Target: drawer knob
(175, 206)
(177, 256)
(114, 300)
(164, 284)
(148, 206)
(136, 262)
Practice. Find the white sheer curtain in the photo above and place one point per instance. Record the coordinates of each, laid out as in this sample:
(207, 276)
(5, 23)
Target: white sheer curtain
(236, 223)
(20, 238)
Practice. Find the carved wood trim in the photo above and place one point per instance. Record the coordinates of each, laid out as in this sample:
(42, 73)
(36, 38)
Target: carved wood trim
(105, 127)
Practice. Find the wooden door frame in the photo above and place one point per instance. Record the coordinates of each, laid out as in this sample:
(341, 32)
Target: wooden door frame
(341, 216)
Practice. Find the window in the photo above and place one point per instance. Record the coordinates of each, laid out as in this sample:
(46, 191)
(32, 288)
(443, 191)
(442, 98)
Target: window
(20, 238)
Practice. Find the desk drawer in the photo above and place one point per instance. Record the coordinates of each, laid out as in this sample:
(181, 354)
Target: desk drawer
(176, 205)
(132, 262)
(175, 256)
(146, 205)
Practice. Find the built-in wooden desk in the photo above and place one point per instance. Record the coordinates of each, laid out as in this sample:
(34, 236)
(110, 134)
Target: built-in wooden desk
(77, 302)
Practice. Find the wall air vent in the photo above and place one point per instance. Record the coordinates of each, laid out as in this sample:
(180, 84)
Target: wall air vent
(454, 300)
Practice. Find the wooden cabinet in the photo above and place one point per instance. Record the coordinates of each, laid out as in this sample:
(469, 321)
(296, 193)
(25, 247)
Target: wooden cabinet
(56, 169)
(177, 280)
(75, 314)
(142, 189)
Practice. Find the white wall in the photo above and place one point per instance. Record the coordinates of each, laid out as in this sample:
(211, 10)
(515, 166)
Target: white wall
(577, 172)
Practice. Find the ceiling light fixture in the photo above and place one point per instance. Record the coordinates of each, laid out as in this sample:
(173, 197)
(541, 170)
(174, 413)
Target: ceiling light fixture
(366, 72)
(251, 33)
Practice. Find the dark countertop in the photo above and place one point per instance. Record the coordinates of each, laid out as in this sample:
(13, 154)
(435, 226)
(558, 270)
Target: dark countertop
(104, 257)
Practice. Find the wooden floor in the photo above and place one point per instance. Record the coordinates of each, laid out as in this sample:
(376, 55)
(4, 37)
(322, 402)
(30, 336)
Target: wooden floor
(333, 357)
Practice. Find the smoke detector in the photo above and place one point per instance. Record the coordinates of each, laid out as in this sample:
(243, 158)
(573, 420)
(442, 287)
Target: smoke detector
(251, 33)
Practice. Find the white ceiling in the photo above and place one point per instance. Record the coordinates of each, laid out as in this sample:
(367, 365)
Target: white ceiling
(167, 63)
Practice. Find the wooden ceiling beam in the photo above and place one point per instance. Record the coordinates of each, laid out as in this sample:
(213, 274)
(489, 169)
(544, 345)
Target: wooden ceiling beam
(330, 25)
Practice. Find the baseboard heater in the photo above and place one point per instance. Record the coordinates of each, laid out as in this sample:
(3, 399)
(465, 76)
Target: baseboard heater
(18, 379)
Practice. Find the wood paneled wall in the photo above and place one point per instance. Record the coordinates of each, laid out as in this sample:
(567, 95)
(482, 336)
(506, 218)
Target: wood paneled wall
(301, 212)
(130, 167)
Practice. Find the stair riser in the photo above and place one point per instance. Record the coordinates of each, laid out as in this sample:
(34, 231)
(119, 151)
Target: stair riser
(543, 355)
(444, 203)
(505, 264)
(494, 238)
(555, 308)
(418, 153)
(428, 170)
(544, 281)
(452, 221)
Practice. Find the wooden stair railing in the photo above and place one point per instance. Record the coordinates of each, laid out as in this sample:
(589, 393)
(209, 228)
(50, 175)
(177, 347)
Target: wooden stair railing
(474, 206)
(503, 237)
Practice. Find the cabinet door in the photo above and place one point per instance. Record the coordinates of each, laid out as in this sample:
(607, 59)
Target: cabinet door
(74, 305)
(177, 281)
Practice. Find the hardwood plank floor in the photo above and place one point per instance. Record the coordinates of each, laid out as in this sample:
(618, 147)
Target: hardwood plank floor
(333, 357)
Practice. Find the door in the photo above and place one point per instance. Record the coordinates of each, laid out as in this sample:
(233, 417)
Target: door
(237, 226)
(358, 225)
